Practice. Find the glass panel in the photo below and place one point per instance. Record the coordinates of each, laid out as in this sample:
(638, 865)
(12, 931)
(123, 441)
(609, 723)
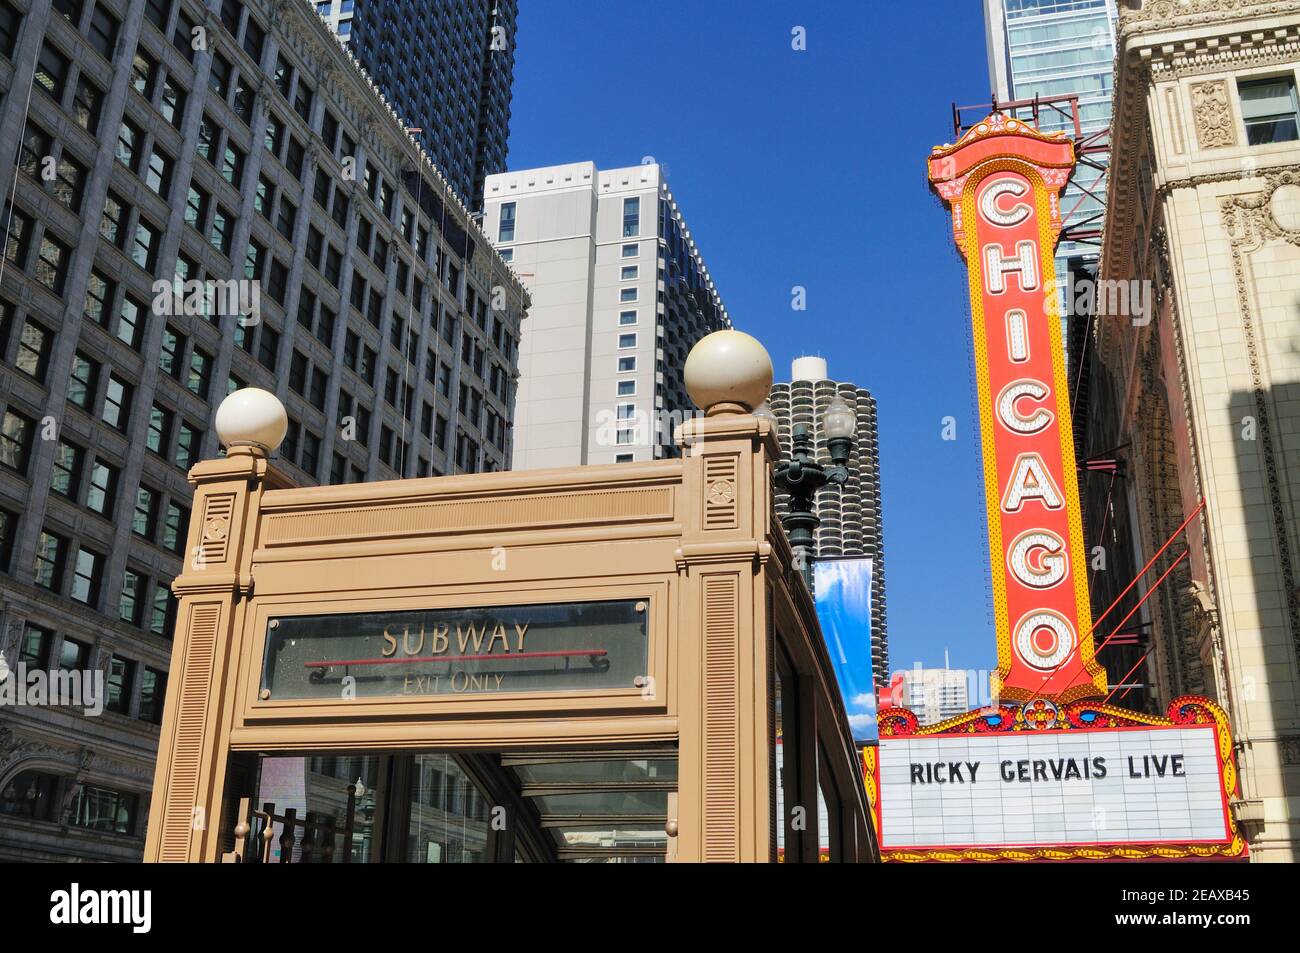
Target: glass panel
(449, 815)
(611, 835)
(540, 648)
(604, 803)
(598, 771)
(334, 794)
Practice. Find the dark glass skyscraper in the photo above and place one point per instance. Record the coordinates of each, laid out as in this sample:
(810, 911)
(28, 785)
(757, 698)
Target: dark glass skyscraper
(446, 67)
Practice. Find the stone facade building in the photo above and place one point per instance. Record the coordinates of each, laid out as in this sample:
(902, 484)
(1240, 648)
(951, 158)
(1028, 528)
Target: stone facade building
(1204, 205)
(232, 148)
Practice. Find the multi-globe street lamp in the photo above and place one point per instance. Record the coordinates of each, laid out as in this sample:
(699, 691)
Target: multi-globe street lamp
(803, 475)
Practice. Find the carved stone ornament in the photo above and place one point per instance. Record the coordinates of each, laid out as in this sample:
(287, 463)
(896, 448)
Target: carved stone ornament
(721, 492)
(1213, 116)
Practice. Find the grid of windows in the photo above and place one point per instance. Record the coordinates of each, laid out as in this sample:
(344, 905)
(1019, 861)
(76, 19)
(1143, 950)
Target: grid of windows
(103, 482)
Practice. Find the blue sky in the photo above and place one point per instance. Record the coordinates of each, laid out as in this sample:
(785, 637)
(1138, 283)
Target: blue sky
(807, 168)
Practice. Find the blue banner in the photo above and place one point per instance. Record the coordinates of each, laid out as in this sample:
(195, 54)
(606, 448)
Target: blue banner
(844, 610)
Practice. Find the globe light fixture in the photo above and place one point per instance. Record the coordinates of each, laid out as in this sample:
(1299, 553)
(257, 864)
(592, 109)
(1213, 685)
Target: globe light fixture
(252, 417)
(728, 372)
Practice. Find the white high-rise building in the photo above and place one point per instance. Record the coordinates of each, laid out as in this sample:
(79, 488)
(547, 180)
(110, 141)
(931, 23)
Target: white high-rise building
(935, 694)
(619, 296)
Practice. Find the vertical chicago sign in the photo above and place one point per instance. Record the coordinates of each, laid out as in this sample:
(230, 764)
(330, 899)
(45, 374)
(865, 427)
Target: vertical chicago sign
(1002, 181)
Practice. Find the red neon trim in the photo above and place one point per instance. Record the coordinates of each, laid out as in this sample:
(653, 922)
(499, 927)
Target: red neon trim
(455, 658)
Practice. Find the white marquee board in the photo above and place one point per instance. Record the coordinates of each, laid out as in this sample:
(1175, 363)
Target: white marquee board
(1127, 785)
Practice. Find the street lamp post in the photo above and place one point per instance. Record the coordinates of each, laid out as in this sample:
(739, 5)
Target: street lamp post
(802, 476)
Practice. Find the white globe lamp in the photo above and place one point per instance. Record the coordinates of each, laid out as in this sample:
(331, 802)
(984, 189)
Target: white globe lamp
(252, 417)
(728, 372)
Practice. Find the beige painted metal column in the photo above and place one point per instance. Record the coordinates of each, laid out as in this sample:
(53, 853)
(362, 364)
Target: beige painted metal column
(723, 686)
(189, 780)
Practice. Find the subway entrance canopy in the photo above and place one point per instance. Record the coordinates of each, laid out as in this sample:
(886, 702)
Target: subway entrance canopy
(608, 663)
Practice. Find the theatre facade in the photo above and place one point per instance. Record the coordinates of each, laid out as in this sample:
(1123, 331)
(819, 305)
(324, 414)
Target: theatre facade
(595, 664)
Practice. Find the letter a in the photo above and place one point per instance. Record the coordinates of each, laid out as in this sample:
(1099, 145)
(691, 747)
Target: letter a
(1030, 481)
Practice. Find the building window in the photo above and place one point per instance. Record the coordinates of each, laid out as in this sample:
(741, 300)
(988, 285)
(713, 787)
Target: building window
(34, 652)
(117, 403)
(130, 606)
(629, 272)
(83, 381)
(200, 373)
(172, 105)
(631, 217)
(52, 265)
(625, 411)
(121, 673)
(129, 138)
(31, 794)
(627, 294)
(507, 254)
(8, 530)
(626, 364)
(506, 231)
(100, 809)
(188, 440)
(1269, 109)
(16, 436)
(626, 340)
(65, 478)
(113, 225)
(86, 104)
(144, 521)
(52, 71)
(174, 525)
(627, 317)
(631, 250)
(169, 356)
(153, 691)
(158, 176)
(103, 488)
(162, 615)
(160, 430)
(623, 458)
(144, 251)
(626, 388)
(99, 298)
(50, 553)
(103, 31)
(33, 357)
(86, 576)
(130, 323)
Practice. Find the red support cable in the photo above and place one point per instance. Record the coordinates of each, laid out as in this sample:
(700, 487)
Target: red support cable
(1097, 621)
(1125, 678)
(1149, 593)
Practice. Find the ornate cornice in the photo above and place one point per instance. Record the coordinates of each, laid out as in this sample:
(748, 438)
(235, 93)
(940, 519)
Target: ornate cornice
(1218, 36)
(1137, 15)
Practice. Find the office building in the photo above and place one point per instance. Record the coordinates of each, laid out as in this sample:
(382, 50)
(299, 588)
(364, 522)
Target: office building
(446, 67)
(850, 513)
(620, 294)
(936, 694)
(1049, 48)
(239, 212)
(1204, 213)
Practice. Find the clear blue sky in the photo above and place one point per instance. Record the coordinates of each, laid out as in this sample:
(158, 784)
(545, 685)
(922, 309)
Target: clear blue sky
(807, 168)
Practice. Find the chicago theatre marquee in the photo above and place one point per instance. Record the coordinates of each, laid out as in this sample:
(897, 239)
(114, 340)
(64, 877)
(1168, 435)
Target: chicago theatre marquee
(1052, 770)
(606, 663)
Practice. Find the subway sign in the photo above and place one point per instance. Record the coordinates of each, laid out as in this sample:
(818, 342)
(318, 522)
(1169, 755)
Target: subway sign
(573, 646)
(1002, 182)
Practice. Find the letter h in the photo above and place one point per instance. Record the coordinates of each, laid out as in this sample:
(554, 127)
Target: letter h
(1024, 261)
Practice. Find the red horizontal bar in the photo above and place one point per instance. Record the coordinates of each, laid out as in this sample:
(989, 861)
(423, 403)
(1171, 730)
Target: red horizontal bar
(455, 658)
